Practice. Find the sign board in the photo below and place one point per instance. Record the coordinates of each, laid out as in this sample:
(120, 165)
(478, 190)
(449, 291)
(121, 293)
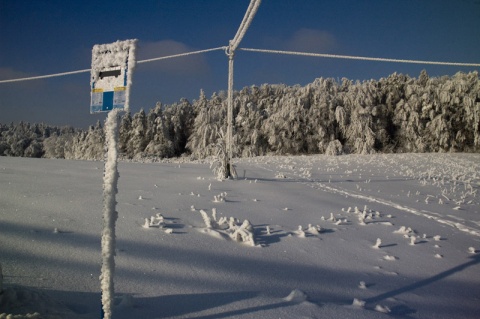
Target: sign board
(111, 75)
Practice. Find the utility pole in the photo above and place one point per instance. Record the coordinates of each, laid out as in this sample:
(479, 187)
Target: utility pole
(229, 170)
(233, 45)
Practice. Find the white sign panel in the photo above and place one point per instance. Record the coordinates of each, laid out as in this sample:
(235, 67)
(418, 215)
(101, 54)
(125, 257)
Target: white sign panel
(111, 76)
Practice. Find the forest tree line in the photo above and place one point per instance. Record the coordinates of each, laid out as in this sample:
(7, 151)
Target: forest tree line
(398, 113)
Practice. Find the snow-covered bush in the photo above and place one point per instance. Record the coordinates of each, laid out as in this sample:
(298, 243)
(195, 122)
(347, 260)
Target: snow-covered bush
(334, 148)
(219, 164)
(207, 219)
(243, 233)
(156, 221)
(231, 227)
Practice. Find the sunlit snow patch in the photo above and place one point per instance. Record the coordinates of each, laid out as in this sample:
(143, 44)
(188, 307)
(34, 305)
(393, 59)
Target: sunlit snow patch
(296, 296)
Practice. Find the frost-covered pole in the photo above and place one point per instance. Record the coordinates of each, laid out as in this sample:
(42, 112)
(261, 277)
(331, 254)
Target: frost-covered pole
(110, 214)
(228, 169)
(233, 45)
(110, 82)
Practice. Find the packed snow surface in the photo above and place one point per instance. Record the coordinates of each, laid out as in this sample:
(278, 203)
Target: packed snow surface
(294, 237)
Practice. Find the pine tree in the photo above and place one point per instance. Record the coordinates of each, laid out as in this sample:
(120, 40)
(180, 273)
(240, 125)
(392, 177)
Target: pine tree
(159, 144)
(137, 142)
(125, 133)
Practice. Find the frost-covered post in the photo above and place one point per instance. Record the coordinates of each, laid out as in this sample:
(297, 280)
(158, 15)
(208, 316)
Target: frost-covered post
(110, 214)
(110, 82)
(229, 152)
(233, 45)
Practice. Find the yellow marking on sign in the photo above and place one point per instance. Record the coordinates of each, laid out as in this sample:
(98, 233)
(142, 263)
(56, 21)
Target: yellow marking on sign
(97, 90)
(120, 88)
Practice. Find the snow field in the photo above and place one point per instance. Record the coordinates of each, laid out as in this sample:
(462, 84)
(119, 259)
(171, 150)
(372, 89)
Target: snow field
(314, 232)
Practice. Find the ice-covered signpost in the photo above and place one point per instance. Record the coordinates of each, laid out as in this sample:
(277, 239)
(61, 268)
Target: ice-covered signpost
(111, 78)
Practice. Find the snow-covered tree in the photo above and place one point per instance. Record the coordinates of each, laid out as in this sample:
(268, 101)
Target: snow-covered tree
(125, 133)
(394, 114)
(207, 127)
(159, 144)
(138, 140)
(179, 123)
(89, 145)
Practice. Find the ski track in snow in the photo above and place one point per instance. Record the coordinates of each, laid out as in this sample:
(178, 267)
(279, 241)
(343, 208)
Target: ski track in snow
(423, 213)
(300, 178)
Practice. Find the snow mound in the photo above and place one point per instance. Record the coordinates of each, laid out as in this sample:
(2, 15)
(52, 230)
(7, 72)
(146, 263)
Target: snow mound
(382, 309)
(296, 296)
(362, 285)
(390, 258)
(358, 303)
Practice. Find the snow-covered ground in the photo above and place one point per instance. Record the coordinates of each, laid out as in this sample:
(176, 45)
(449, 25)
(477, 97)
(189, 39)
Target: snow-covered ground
(389, 235)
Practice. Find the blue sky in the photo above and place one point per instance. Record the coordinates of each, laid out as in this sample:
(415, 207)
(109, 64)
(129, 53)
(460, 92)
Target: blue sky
(52, 36)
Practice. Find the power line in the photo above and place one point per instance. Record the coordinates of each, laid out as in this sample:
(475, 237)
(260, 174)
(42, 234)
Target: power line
(247, 20)
(45, 76)
(321, 55)
(336, 56)
(88, 70)
(181, 54)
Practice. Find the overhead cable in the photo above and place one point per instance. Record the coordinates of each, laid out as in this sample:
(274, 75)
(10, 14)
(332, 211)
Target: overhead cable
(45, 76)
(321, 55)
(336, 56)
(180, 55)
(88, 70)
(245, 24)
